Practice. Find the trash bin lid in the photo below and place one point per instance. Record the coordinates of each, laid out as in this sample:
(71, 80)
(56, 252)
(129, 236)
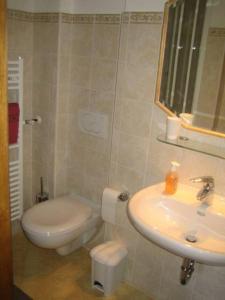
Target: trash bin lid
(110, 253)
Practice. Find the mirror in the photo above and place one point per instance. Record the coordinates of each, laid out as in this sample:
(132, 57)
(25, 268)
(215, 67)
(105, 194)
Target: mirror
(191, 77)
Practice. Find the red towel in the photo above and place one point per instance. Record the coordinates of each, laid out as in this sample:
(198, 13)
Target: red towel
(14, 114)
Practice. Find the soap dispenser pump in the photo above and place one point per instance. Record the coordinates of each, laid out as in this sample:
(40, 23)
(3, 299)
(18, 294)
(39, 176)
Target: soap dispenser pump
(171, 179)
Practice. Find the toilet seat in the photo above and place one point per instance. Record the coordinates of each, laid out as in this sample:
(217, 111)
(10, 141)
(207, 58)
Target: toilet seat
(57, 216)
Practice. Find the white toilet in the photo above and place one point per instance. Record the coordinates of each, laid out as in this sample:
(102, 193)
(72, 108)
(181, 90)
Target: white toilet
(64, 223)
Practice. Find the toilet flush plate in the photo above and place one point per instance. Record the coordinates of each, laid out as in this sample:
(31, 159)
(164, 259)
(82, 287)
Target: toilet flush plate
(93, 123)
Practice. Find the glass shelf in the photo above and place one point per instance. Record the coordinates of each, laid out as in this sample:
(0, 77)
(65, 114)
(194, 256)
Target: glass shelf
(193, 145)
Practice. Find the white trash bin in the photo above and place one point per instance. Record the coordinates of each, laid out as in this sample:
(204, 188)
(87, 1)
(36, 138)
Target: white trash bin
(108, 265)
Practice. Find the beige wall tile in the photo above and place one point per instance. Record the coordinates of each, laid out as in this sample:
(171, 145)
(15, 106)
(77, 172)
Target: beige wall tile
(27, 100)
(45, 68)
(20, 35)
(96, 164)
(65, 40)
(115, 145)
(82, 39)
(148, 253)
(209, 282)
(42, 101)
(40, 149)
(104, 75)
(129, 271)
(172, 290)
(61, 172)
(93, 187)
(46, 37)
(79, 98)
(198, 296)
(75, 181)
(132, 152)
(172, 266)
(61, 187)
(117, 112)
(137, 81)
(124, 30)
(80, 71)
(106, 41)
(126, 177)
(143, 44)
(90, 142)
(63, 98)
(64, 63)
(62, 132)
(27, 185)
(102, 102)
(27, 144)
(131, 111)
(147, 278)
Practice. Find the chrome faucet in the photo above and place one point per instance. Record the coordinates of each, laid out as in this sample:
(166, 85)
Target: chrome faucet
(207, 189)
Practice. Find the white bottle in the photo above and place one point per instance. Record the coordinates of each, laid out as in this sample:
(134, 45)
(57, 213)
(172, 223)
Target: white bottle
(173, 127)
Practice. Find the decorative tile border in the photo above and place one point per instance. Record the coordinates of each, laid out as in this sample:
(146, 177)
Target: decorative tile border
(108, 19)
(128, 17)
(146, 18)
(217, 31)
(78, 18)
(46, 17)
(20, 15)
(125, 18)
(134, 18)
(24, 16)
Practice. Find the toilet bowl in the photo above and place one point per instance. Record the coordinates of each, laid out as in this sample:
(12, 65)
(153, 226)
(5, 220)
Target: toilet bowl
(64, 223)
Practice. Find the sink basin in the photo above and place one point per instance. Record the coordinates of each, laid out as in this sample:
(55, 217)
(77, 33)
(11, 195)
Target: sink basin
(176, 223)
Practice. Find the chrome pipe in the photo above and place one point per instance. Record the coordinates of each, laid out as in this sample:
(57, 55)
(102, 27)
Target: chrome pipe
(124, 196)
(187, 270)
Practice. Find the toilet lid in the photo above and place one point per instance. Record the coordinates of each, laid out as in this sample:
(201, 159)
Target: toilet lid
(58, 215)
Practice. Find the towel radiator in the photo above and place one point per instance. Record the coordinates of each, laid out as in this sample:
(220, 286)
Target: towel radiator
(15, 94)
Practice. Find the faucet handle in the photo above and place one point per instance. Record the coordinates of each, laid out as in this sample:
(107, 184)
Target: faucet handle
(209, 180)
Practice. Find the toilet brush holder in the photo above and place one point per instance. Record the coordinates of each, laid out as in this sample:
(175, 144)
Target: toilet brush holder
(42, 196)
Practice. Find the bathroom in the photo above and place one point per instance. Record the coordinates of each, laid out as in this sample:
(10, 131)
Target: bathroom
(100, 57)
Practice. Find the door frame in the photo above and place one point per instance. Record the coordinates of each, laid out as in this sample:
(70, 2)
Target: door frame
(6, 273)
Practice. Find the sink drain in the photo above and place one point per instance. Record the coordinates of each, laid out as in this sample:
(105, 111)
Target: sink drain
(191, 238)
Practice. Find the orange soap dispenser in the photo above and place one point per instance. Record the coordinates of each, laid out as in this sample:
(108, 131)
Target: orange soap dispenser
(171, 179)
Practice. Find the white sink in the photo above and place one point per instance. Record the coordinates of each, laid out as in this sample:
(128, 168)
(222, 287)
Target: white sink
(169, 220)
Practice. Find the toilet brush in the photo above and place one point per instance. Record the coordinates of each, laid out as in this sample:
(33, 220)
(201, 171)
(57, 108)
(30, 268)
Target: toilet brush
(42, 196)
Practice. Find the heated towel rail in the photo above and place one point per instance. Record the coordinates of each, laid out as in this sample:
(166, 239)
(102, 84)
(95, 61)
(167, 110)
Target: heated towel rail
(15, 94)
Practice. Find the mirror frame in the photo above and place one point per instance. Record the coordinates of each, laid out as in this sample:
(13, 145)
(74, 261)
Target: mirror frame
(168, 3)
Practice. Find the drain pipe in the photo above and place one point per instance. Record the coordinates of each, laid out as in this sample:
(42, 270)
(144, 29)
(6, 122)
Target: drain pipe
(187, 269)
